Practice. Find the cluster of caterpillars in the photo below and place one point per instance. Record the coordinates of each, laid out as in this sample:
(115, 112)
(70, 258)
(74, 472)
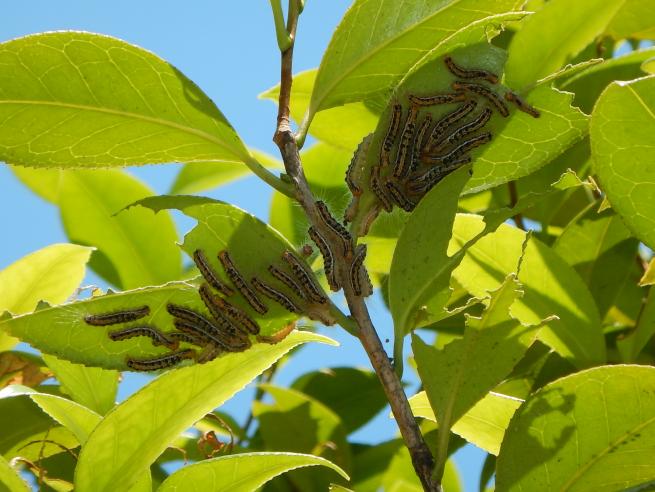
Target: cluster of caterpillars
(354, 273)
(224, 327)
(417, 152)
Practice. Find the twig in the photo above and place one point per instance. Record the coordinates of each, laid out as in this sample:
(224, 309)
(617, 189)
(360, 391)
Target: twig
(513, 200)
(268, 177)
(421, 457)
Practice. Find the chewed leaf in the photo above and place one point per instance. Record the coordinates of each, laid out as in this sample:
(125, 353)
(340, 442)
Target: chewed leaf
(241, 472)
(75, 99)
(62, 330)
(135, 433)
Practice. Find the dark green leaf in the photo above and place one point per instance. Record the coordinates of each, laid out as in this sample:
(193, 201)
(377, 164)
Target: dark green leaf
(583, 432)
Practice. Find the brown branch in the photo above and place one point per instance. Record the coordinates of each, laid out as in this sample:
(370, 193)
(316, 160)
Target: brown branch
(421, 456)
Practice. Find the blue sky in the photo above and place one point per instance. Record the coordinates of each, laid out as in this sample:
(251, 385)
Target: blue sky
(229, 50)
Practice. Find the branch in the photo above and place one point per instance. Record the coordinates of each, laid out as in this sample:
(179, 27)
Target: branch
(421, 457)
(283, 38)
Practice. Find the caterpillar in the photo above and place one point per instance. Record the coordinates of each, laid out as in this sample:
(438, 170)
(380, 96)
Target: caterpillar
(117, 317)
(180, 337)
(190, 321)
(522, 105)
(464, 130)
(335, 226)
(399, 198)
(328, 258)
(419, 142)
(275, 295)
(446, 121)
(485, 92)
(378, 191)
(463, 73)
(157, 337)
(209, 274)
(436, 99)
(240, 283)
(427, 180)
(287, 280)
(406, 138)
(209, 353)
(355, 168)
(390, 136)
(460, 150)
(357, 271)
(166, 360)
(234, 314)
(307, 281)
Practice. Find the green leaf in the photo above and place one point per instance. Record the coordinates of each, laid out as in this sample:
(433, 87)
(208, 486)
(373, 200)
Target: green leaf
(75, 99)
(201, 176)
(580, 433)
(589, 84)
(240, 472)
(297, 423)
(525, 144)
(91, 387)
(553, 36)
(362, 60)
(551, 287)
(362, 400)
(252, 244)
(75, 417)
(649, 275)
(50, 274)
(622, 150)
(136, 248)
(483, 425)
(462, 373)
(43, 182)
(421, 268)
(601, 250)
(62, 332)
(10, 480)
(27, 439)
(634, 21)
(632, 345)
(135, 433)
(343, 126)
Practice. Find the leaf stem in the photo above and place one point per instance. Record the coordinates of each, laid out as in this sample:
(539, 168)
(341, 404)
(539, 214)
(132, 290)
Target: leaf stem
(268, 177)
(283, 38)
(288, 144)
(513, 199)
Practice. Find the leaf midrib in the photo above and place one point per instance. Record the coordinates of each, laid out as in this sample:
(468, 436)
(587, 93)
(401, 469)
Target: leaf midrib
(371, 53)
(135, 116)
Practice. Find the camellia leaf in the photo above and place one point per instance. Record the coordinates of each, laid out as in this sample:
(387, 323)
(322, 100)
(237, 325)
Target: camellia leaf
(421, 269)
(136, 248)
(61, 330)
(252, 245)
(75, 99)
(135, 433)
(296, 422)
(551, 287)
(633, 21)
(649, 275)
(361, 61)
(601, 250)
(363, 400)
(91, 387)
(241, 472)
(483, 425)
(342, 126)
(462, 373)
(553, 36)
(201, 176)
(631, 345)
(583, 432)
(10, 480)
(75, 417)
(50, 274)
(622, 150)
(588, 84)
